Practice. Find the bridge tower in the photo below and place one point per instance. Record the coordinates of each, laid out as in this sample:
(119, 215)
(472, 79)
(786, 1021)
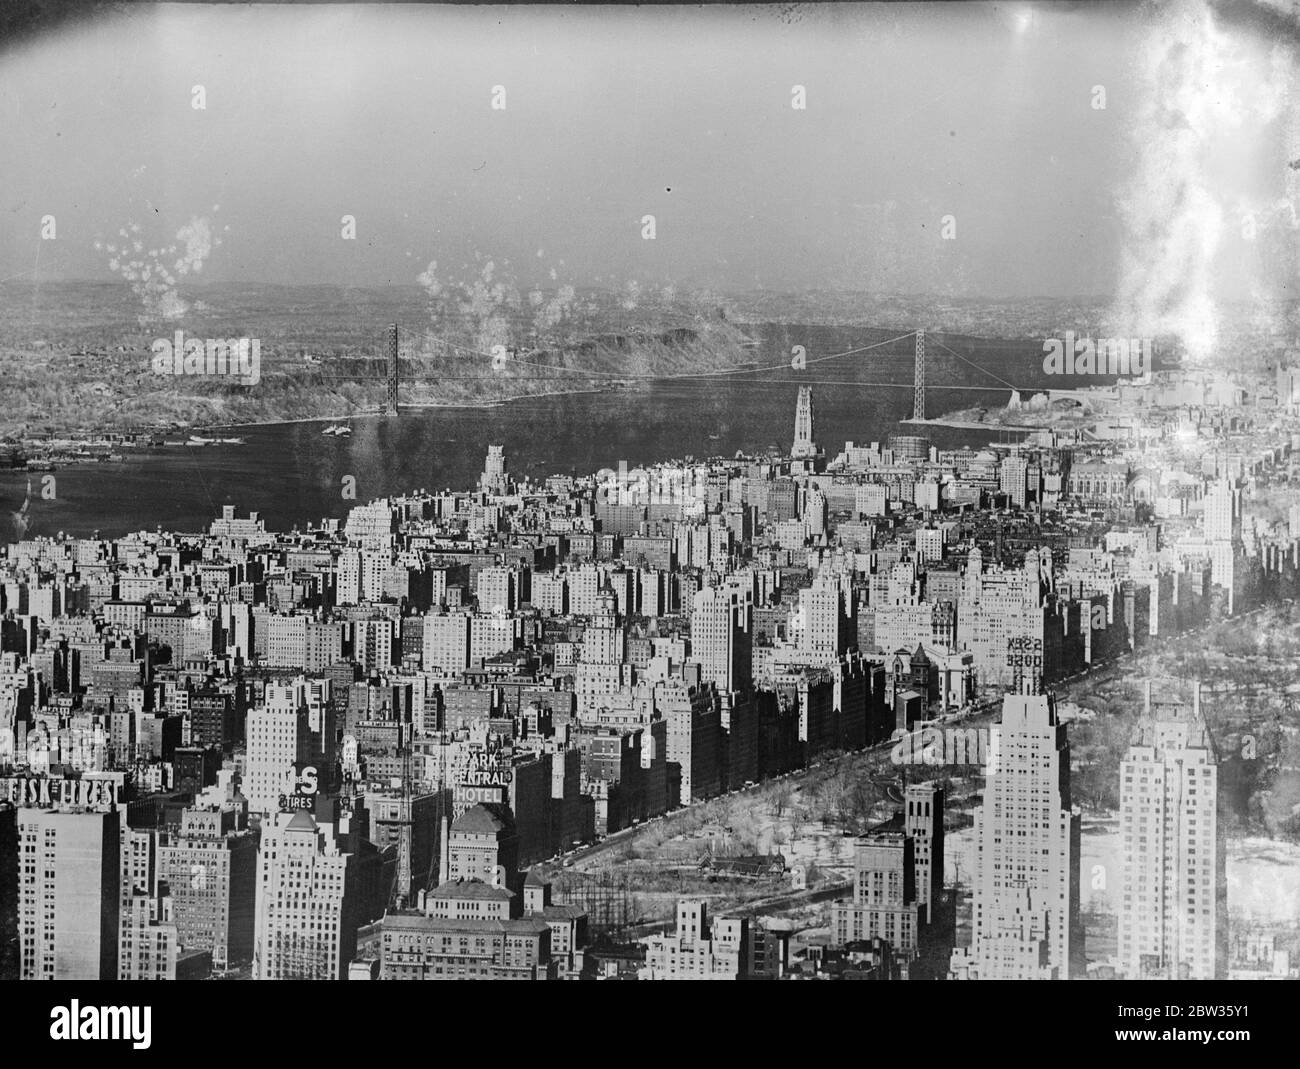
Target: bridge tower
(918, 384)
(393, 373)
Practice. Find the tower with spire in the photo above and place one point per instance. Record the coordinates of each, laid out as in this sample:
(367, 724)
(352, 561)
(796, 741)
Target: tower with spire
(804, 447)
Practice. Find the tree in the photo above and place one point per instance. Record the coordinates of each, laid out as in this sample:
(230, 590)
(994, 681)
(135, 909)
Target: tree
(781, 799)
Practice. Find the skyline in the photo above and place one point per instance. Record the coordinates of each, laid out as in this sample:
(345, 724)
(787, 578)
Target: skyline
(815, 622)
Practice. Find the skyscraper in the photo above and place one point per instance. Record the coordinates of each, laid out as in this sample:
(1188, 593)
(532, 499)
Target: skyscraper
(603, 640)
(372, 643)
(308, 903)
(211, 869)
(278, 738)
(602, 669)
(68, 894)
(147, 939)
(8, 891)
(494, 479)
(446, 642)
(148, 946)
(820, 620)
(694, 722)
(923, 822)
(1172, 921)
(884, 904)
(813, 511)
(1013, 479)
(1025, 913)
(1221, 512)
(720, 638)
(1222, 522)
(804, 446)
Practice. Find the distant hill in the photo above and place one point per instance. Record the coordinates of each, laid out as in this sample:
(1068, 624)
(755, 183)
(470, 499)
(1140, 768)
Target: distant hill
(77, 355)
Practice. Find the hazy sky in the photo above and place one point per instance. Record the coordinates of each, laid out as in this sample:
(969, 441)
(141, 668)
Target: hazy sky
(914, 112)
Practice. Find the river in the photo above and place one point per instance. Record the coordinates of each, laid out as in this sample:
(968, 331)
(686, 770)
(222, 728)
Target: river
(291, 474)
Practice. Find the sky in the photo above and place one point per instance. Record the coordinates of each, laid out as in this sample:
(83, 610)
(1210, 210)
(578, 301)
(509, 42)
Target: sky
(975, 121)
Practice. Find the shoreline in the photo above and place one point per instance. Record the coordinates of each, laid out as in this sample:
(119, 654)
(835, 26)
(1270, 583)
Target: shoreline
(409, 405)
(966, 424)
(136, 451)
(199, 428)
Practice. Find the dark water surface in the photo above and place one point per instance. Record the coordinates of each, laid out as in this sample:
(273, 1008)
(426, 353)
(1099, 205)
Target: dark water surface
(292, 474)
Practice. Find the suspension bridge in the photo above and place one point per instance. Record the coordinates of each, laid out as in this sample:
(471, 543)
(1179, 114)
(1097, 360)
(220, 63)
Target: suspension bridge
(405, 352)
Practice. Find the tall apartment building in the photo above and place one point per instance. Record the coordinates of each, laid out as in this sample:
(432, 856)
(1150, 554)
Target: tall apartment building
(309, 904)
(1172, 917)
(549, 593)
(148, 946)
(1222, 512)
(69, 894)
(1025, 912)
(372, 644)
(582, 584)
(408, 822)
(1222, 523)
(929, 544)
(446, 642)
(923, 822)
(375, 567)
(8, 891)
(694, 737)
(277, 740)
(314, 696)
(497, 589)
(493, 633)
(213, 723)
(1003, 619)
(602, 668)
(782, 502)
(324, 644)
(603, 639)
(870, 499)
(360, 575)
(146, 936)
(721, 638)
(1013, 479)
(347, 583)
(820, 620)
(621, 584)
(286, 641)
(371, 526)
(884, 904)
(907, 626)
(813, 512)
(210, 867)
